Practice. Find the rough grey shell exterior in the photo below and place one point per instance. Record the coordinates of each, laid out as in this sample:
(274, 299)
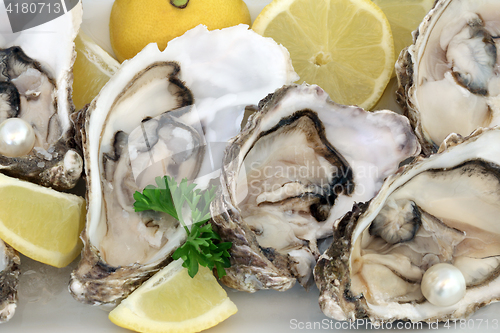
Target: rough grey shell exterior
(95, 282)
(9, 278)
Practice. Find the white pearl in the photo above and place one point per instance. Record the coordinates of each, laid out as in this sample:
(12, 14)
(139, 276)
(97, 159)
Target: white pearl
(443, 285)
(17, 137)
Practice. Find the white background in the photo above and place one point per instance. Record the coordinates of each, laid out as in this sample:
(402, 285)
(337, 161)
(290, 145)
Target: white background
(45, 304)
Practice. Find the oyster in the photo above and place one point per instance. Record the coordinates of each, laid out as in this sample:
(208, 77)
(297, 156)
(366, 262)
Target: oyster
(35, 85)
(227, 70)
(121, 247)
(449, 79)
(146, 122)
(443, 209)
(9, 278)
(298, 165)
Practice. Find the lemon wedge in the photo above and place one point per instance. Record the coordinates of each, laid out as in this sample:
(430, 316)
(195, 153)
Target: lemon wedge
(172, 301)
(92, 69)
(344, 46)
(39, 222)
(404, 16)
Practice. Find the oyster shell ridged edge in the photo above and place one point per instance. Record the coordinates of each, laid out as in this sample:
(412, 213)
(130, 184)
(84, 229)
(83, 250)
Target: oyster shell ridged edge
(405, 76)
(9, 279)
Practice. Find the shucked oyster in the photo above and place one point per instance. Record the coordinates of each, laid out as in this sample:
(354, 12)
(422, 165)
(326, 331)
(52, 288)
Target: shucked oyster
(35, 85)
(146, 123)
(9, 278)
(449, 79)
(443, 209)
(298, 165)
(121, 247)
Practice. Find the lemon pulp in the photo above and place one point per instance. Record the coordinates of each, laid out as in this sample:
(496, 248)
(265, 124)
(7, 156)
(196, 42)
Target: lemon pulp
(134, 24)
(344, 46)
(39, 222)
(172, 301)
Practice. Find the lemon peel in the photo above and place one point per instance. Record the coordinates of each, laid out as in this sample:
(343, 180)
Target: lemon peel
(133, 24)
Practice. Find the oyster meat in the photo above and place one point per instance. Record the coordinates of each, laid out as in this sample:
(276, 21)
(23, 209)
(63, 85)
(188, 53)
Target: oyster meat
(443, 209)
(449, 79)
(147, 122)
(9, 278)
(299, 165)
(35, 85)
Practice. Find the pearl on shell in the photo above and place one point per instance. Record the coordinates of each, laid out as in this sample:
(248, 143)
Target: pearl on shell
(443, 285)
(17, 137)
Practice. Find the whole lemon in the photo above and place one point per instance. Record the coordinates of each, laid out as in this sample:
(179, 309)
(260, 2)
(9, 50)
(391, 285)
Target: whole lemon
(136, 23)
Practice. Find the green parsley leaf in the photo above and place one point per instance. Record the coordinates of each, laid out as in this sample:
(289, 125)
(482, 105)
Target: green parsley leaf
(203, 245)
(155, 198)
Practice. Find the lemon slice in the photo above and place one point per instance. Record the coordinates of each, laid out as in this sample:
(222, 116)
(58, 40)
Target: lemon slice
(172, 301)
(404, 16)
(39, 222)
(344, 46)
(92, 69)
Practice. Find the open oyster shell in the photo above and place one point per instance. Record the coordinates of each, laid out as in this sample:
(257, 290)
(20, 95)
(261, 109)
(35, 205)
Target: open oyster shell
(9, 278)
(443, 209)
(298, 165)
(146, 122)
(35, 85)
(117, 256)
(449, 79)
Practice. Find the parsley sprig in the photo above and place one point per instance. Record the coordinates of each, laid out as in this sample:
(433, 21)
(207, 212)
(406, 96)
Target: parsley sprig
(203, 245)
